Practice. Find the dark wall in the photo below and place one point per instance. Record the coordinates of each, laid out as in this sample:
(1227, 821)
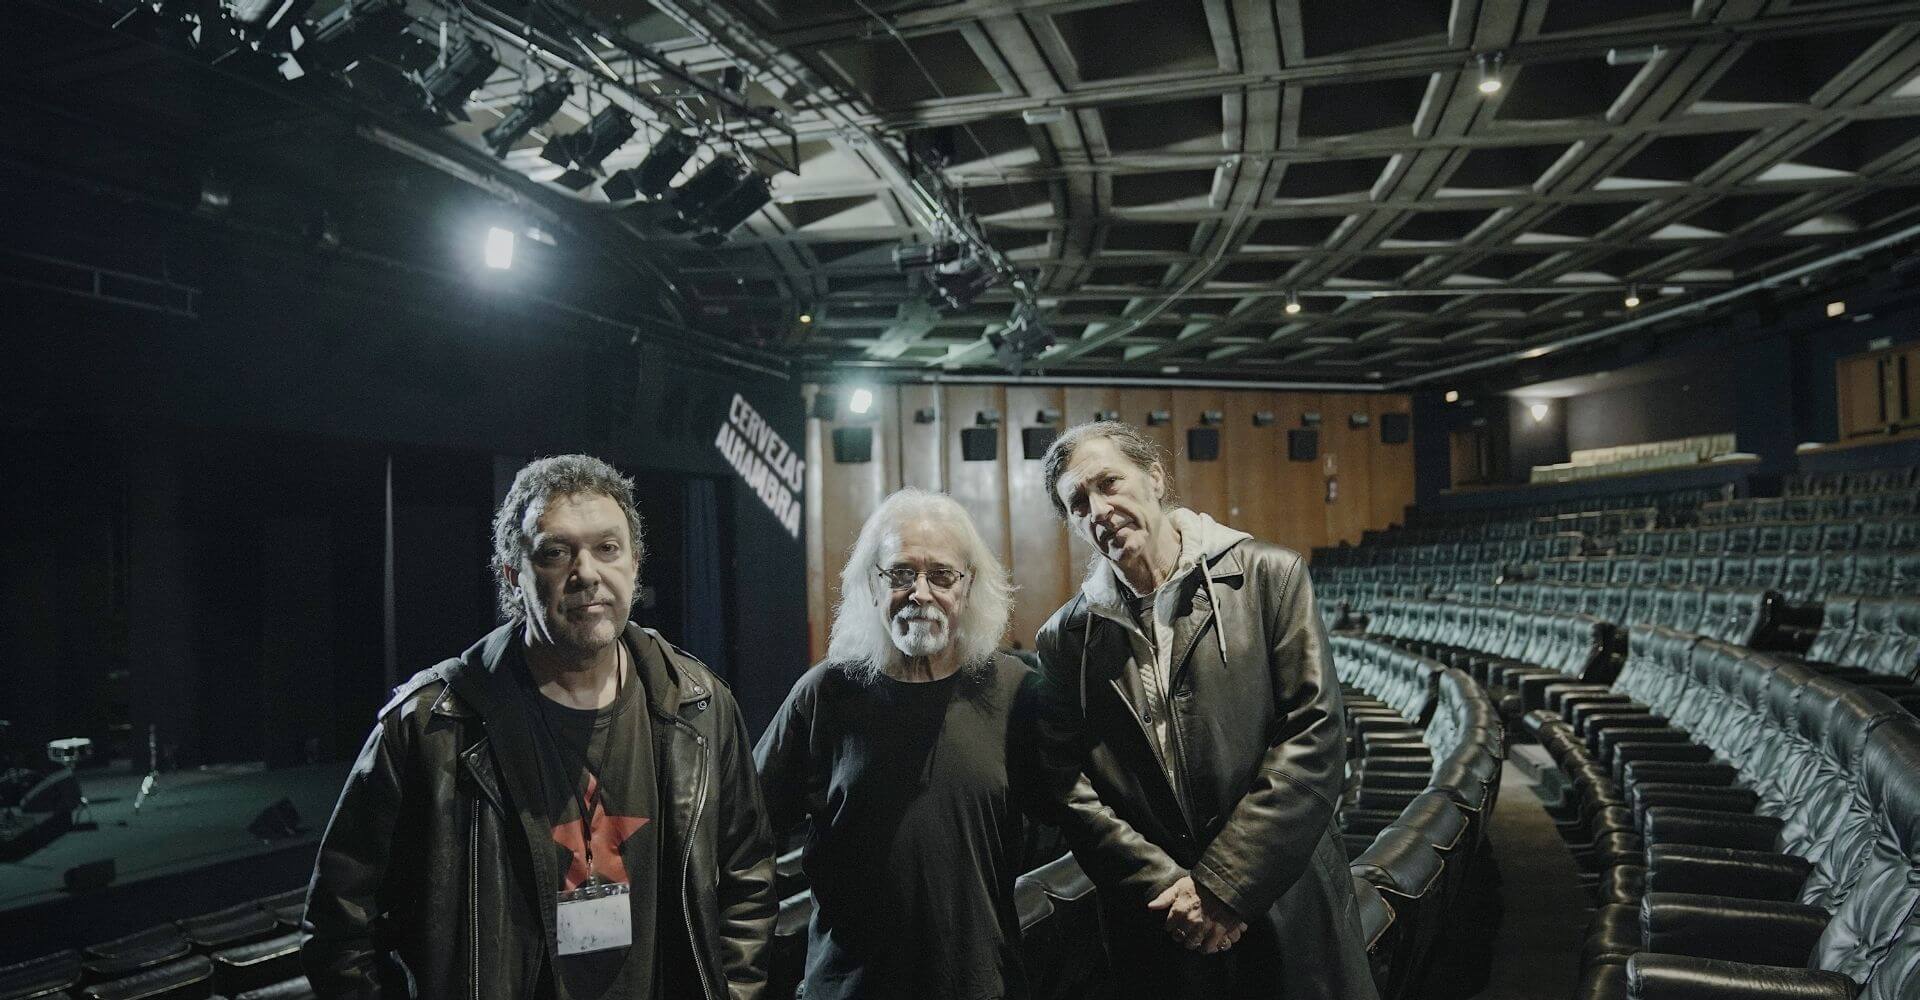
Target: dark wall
(1533, 442)
(1683, 405)
(229, 474)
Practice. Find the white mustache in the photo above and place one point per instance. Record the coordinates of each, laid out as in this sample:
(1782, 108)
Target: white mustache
(915, 612)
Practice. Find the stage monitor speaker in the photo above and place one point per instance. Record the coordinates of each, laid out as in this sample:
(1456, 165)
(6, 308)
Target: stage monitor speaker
(276, 822)
(852, 445)
(1034, 441)
(979, 444)
(1303, 444)
(90, 876)
(1203, 444)
(1395, 428)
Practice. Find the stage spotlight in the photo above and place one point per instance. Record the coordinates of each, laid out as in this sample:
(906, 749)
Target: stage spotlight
(1539, 412)
(1023, 339)
(355, 30)
(958, 283)
(449, 86)
(663, 162)
(270, 23)
(692, 200)
(542, 103)
(806, 318)
(738, 205)
(1836, 309)
(861, 402)
(1490, 73)
(499, 252)
(1453, 395)
(918, 255)
(1633, 297)
(1293, 303)
(582, 151)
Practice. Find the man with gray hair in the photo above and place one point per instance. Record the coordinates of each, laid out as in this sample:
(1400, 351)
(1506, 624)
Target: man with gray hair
(896, 747)
(565, 810)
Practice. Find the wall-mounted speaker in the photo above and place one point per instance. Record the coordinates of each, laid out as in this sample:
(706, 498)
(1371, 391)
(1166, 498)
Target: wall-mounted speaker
(1395, 428)
(826, 405)
(1303, 444)
(852, 445)
(979, 444)
(924, 415)
(1203, 444)
(1034, 441)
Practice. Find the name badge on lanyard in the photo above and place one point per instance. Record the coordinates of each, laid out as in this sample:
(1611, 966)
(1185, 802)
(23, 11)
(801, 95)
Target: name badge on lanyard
(594, 917)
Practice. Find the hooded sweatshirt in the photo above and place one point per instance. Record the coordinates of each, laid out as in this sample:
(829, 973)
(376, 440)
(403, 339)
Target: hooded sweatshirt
(1202, 540)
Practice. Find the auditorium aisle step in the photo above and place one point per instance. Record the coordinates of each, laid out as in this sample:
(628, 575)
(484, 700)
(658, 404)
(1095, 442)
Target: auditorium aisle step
(1544, 909)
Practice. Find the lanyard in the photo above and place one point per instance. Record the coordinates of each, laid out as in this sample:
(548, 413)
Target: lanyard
(593, 773)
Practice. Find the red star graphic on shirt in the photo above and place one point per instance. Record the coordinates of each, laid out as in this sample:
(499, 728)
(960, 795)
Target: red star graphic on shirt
(609, 832)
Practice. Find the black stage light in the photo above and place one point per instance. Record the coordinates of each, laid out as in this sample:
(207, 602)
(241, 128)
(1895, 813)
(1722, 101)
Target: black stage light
(449, 86)
(918, 255)
(957, 284)
(739, 204)
(270, 23)
(542, 103)
(355, 30)
(582, 151)
(663, 162)
(708, 185)
(1024, 338)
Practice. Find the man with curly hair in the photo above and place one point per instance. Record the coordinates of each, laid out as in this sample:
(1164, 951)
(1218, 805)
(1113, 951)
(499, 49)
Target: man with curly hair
(568, 809)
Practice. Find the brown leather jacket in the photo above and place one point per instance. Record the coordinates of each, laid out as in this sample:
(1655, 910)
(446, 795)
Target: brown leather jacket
(427, 884)
(1259, 749)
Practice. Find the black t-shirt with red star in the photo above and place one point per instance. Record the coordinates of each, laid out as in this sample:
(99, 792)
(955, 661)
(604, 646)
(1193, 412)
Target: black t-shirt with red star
(605, 757)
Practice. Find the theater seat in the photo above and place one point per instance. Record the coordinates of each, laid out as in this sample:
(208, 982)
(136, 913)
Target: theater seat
(189, 978)
(47, 976)
(231, 926)
(257, 965)
(1059, 930)
(292, 989)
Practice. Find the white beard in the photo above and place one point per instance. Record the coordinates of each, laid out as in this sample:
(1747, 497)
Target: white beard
(920, 638)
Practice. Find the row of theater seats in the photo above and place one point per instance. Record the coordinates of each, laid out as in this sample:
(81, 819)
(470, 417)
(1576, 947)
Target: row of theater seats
(1745, 617)
(1902, 502)
(1858, 481)
(1425, 759)
(1753, 826)
(246, 952)
(1673, 502)
(1501, 648)
(1521, 528)
(1774, 538)
(1800, 578)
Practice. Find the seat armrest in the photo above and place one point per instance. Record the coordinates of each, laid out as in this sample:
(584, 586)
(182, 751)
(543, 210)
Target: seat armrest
(1556, 695)
(1762, 931)
(1723, 871)
(1654, 976)
(1628, 752)
(1709, 774)
(1707, 828)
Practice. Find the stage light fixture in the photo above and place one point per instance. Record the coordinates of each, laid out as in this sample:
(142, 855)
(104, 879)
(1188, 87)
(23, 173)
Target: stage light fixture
(1633, 297)
(1490, 82)
(692, 200)
(662, 163)
(1836, 309)
(861, 402)
(1539, 412)
(270, 23)
(499, 252)
(918, 255)
(1293, 303)
(1024, 338)
(737, 206)
(533, 110)
(958, 283)
(582, 151)
(806, 318)
(1453, 395)
(354, 31)
(448, 86)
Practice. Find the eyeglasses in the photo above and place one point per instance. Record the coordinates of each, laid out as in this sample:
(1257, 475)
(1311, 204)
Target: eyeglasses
(903, 578)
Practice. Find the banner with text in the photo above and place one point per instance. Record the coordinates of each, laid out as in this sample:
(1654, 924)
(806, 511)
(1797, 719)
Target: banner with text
(765, 461)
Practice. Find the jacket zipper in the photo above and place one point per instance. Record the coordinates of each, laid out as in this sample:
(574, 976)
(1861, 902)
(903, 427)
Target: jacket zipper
(473, 895)
(686, 864)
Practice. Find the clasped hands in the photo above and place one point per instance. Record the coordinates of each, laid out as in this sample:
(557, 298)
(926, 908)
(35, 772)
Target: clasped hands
(1197, 918)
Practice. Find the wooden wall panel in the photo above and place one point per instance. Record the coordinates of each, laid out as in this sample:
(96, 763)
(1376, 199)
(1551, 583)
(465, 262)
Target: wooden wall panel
(981, 487)
(1253, 457)
(1389, 466)
(1253, 486)
(840, 497)
(1202, 485)
(1040, 567)
(1343, 453)
(923, 447)
(1302, 519)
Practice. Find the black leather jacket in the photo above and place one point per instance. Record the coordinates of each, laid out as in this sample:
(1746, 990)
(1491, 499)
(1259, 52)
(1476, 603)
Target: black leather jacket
(1259, 749)
(427, 883)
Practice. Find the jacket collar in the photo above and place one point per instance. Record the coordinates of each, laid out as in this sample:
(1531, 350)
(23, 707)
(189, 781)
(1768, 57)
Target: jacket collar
(676, 684)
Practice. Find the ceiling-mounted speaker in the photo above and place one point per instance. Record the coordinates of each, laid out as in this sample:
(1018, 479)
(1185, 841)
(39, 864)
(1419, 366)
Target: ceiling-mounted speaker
(852, 445)
(1303, 444)
(1395, 428)
(979, 444)
(1034, 441)
(1203, 444)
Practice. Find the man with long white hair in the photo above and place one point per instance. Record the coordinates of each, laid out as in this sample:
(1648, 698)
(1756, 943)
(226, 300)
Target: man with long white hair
(896, 747)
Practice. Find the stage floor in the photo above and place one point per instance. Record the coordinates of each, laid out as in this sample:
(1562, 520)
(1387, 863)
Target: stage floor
(188, 843)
